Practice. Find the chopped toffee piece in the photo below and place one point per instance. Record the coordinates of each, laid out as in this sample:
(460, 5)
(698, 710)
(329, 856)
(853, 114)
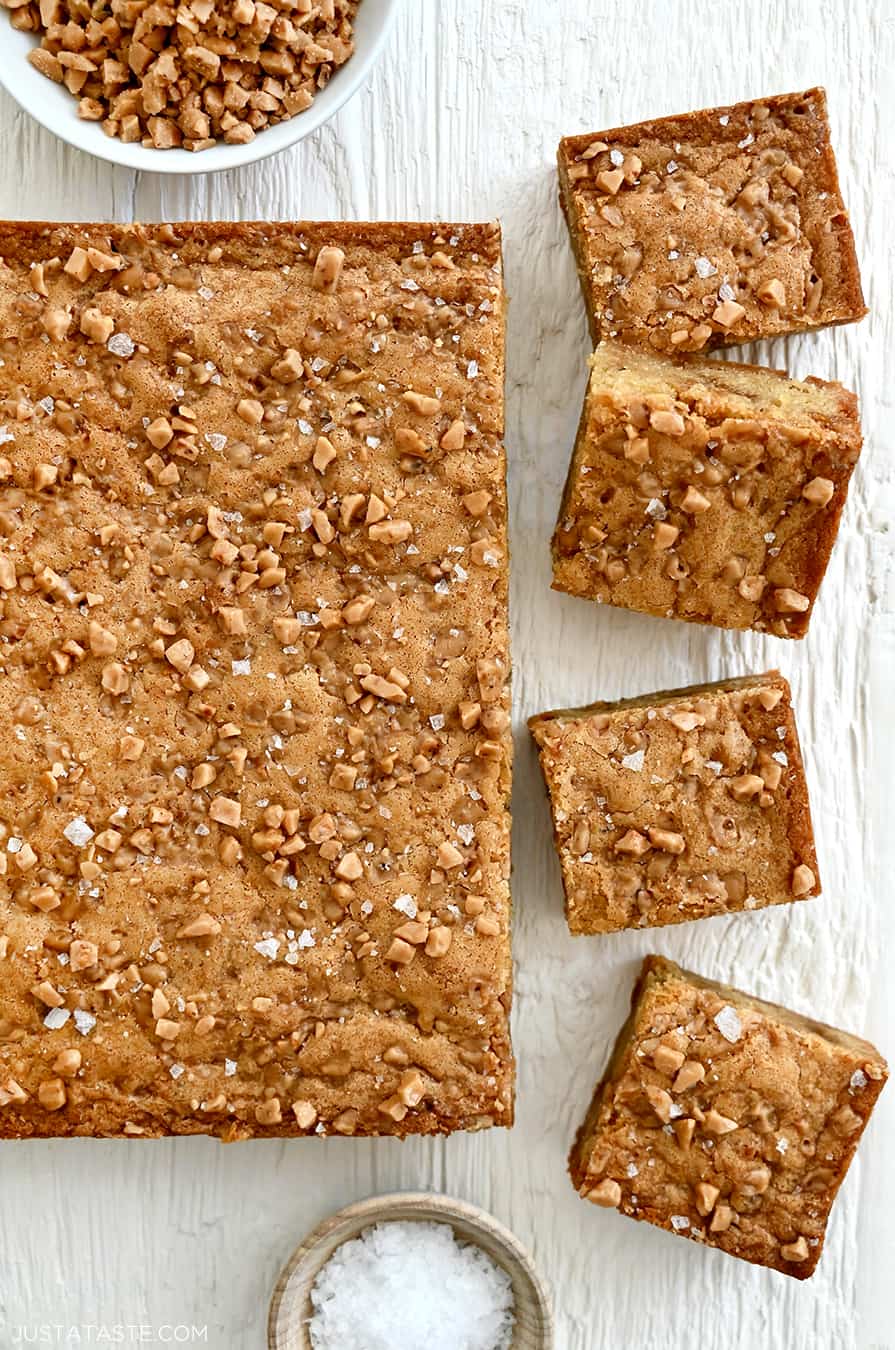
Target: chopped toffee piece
(705, 490)
(254, 844)
(726, 1120)
(189, 75)
(713, 227)
(678, 805)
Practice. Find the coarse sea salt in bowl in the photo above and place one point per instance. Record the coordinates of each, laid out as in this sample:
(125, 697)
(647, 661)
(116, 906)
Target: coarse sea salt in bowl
(292, 1308)
(55, 108)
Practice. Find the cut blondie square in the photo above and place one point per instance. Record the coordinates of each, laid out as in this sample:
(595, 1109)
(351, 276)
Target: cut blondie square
(705, 490)
(678, 805)
(254, 703)
(726, 1120)
(713, 227)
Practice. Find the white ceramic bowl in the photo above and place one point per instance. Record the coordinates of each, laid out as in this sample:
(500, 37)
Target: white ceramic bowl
(291, 1309)
(55, 108)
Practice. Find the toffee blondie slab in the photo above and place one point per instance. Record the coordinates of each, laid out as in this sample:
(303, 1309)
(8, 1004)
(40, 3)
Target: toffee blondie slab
(678, 805)
(713, 227)
(704, 490)
(726, 1120)
(253, 680)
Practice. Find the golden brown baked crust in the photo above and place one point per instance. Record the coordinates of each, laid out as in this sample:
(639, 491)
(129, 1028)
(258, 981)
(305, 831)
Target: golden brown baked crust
(726, 1119)
(705, 490)
(713, 227)
(253, 680)
(678, 805)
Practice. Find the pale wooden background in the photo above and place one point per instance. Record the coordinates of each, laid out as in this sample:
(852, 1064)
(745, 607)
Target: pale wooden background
(461, 121)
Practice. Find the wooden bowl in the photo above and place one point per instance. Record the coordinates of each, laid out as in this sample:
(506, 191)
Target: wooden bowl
(291, 1309)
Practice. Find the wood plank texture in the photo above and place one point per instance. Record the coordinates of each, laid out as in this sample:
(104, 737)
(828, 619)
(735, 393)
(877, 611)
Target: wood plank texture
(461, 121)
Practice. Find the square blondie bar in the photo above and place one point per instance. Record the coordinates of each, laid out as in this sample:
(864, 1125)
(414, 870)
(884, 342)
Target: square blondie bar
(678, 805)
(726, 1120)
(253, 680)
(704, 490)
(714, 227)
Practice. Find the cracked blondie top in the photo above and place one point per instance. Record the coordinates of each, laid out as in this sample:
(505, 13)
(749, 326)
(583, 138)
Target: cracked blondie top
(726, 1120)
(254, 838)
(678, 805)
(704, 490)
(713, 227)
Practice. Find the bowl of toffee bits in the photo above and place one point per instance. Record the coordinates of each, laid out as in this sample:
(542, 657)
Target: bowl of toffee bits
(188, 86)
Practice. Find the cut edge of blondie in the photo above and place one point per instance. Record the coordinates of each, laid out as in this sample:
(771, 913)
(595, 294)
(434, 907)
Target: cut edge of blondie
(612, 366)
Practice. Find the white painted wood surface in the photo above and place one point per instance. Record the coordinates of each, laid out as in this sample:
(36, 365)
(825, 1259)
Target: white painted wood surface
(461, 121)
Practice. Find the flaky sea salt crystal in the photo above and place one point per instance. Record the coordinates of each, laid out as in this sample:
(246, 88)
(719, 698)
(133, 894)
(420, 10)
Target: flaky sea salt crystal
(405, 904)
(268, 947)
(406, 1285)
(120, 344)
(56, 1018)
(679, 1222)
(84, 1021)
(704, 267)
(634, 761)
(78, 832)
(729, 1024)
